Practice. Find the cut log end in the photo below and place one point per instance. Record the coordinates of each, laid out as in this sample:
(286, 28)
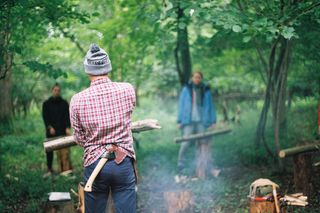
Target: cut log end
(282, 154)
(312, 147)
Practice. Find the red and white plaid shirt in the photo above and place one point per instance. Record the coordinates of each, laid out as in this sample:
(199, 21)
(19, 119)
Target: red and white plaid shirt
(101, 115)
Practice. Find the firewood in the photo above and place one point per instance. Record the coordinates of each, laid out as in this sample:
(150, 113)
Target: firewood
(295, 201)
(296, 194)
(295, 204)
(52, 144)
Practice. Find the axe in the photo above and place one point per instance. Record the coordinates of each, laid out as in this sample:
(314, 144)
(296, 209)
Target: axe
(112, 152)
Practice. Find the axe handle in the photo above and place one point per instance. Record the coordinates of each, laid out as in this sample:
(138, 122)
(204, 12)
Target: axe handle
(274, 192)
(88, 186)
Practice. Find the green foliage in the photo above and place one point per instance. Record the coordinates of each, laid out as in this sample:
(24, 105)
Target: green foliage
(46, 68)
(23, 161)
(49, 40)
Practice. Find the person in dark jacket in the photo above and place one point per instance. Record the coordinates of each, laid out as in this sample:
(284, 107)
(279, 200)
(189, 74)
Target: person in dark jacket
(55, 113)
(196, 112)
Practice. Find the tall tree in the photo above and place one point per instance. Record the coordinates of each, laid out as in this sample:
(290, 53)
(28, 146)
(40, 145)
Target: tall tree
(271, 28)
(182, 50)
(22, 25)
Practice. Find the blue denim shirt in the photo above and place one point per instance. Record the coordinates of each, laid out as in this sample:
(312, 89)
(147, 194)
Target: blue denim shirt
(208, 112)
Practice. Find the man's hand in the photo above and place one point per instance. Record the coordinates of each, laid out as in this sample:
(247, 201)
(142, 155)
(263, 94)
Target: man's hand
(179, 126)
(68, 131)
(52, 131)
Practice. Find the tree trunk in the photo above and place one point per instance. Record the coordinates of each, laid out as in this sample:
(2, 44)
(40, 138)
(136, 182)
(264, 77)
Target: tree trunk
(5, 69)
(302, 173)
(279, 91)
(5, 106)
(275, 93)
(182, 52)
(260, 131)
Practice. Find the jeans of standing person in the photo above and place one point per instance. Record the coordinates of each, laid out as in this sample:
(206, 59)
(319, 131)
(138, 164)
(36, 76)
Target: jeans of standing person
(193, 128)
(120, 179)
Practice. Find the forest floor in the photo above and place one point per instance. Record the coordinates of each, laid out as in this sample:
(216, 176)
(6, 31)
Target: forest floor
(22, 160)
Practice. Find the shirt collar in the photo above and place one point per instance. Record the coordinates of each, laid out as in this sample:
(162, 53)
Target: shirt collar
(100, 81)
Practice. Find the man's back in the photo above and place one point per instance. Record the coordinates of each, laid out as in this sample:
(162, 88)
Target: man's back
(101, 114)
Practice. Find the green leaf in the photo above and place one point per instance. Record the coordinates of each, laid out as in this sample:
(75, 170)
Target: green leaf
(246, 39)
(236, 28)
(288, 32)
(95, 14)
(182, 25)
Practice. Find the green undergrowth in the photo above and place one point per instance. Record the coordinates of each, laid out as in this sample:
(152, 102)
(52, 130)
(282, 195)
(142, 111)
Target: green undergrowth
(22, 188)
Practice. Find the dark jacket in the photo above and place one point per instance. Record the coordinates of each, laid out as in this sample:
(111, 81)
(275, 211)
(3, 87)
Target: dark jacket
(55, 113)
(208, 112)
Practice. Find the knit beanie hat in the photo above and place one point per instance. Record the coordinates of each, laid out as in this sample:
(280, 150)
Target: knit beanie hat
(96, 61)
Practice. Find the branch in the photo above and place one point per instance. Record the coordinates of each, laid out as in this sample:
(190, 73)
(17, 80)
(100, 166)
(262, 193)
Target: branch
(272, 56)
(72, 39)
(302, 12)
(240, 5)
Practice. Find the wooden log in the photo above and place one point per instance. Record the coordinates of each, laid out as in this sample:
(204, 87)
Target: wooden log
(204, 135)
(145, 125)
(302, 172)
(59, 202)
(262, 207)
(80, 207)
(179, 201)
(52, 144)
(58, 143)
(59, 206)
(300, 149)
(203, 159)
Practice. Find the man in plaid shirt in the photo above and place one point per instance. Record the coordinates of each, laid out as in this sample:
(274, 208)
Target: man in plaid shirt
(101, 115)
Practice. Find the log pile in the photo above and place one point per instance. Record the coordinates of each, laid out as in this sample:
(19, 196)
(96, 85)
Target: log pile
(296, 199)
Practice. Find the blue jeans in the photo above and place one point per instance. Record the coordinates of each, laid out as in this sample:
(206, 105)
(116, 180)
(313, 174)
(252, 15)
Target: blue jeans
(120, 179)
(190, 129)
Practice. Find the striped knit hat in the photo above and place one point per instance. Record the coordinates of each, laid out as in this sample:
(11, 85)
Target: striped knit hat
(96, 61)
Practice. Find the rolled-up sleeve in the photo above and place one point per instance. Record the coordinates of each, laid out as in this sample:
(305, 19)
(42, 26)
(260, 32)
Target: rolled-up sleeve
(78, 131)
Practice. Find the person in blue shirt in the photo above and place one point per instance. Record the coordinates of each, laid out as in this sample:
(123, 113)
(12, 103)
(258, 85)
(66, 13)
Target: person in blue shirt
(196, 112)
